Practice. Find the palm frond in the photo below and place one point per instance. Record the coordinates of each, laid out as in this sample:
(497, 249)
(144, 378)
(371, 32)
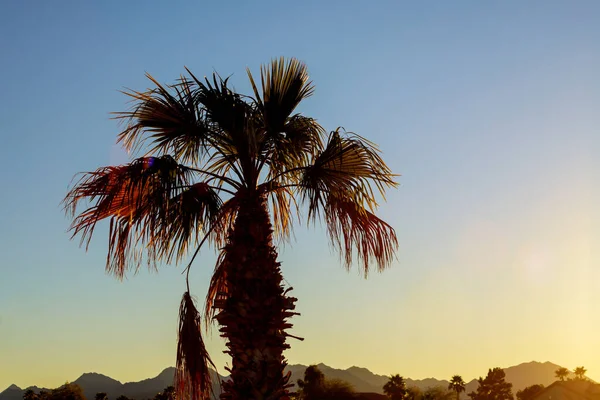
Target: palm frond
(151, 205)
(284, 85)
(232, 117)
(352, 228)
(167, 117)
(218, 291)
(282, 205)
(348, 166)
(287, 139)
(192, 376)
(339, 187)
(192, 212)
(298, 142)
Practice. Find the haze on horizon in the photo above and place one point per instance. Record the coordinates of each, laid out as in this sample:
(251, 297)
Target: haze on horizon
(488, 110)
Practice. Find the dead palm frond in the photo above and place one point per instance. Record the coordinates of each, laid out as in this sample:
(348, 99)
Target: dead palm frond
(192, 376)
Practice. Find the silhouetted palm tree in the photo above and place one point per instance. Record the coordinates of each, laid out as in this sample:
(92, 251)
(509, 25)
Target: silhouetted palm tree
(395, 388)
(457, 384)
(233, 170)
(580, 372)
(561, 373)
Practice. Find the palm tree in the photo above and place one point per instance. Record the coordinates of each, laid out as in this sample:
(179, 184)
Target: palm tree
(561, 373)
(580, 372)
(395, 388)
(457, 384)
(230, 170)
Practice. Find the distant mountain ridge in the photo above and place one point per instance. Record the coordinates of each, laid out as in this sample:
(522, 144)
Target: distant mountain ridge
(362, 379)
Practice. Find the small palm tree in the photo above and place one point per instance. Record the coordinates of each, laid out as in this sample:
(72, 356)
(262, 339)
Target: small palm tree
(395, 388)
(580, 373)
(561, 373)
(233, 171)
(457, 384)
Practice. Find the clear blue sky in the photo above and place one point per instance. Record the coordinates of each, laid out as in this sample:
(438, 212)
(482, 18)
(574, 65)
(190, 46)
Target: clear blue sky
(488, 109)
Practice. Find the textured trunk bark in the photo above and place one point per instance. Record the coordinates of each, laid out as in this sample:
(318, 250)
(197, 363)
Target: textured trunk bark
(253, 317)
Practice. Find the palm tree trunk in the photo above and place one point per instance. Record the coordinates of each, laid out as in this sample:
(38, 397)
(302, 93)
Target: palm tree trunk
(253, 315)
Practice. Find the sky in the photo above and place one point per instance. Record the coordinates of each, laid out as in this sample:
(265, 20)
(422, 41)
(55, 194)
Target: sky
(488, 110)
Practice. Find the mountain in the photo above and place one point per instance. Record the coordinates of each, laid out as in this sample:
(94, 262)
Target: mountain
(92, 383)
(362, 379)
(13, 392)
(522, 375)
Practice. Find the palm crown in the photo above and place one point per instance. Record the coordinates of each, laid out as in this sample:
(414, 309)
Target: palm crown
(457, 384)
(204, 150)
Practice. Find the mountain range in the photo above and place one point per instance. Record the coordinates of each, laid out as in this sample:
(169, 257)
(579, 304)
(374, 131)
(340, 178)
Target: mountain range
(362, 379)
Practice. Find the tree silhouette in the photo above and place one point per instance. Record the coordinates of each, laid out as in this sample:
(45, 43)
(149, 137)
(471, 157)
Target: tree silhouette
(437, 393)
(101, 396)
(561, 373)
(529, 392)
(413, 393)
(69, 391)
(457, 384)
(580, 373)
(29, 394)
(234, 171)
(314, 386)
(311, 387)
(337, 389)
(493, 387)
(167, 394)
(395, 388)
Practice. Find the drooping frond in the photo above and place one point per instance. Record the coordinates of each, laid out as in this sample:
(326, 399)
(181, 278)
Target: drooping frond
(194, 211)
(295, 145)
(282, 205)
(192, 376)
(348, 167)
(224, 222)
(218, 292)
(169, 118)
(339, 188)
(352, 228)
(151, 205)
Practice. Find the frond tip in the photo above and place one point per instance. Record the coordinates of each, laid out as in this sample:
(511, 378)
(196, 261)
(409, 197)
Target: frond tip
(192, 375)
(352, 228)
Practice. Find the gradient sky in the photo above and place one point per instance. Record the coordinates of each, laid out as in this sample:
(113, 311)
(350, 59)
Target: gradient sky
(488, 109)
